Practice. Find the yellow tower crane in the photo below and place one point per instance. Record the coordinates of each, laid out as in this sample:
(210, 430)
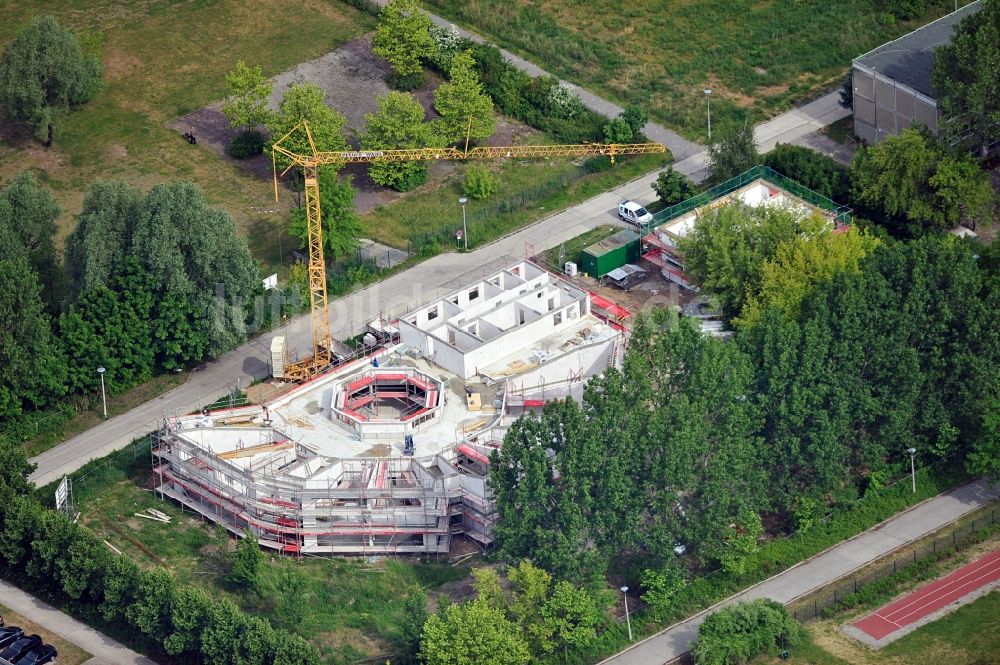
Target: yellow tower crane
(319, 305)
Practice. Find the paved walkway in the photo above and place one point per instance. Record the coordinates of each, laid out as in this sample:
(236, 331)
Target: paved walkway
(105, 650)
(679, 146)
(398, 294)
(824, 568)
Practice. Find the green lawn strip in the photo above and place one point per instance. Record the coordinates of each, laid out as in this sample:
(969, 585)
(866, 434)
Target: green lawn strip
(759, 60)
(355, 605)
(531, 190)
(971, 634)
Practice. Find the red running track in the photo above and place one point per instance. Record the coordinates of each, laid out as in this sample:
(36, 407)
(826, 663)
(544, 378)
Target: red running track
(932, 597)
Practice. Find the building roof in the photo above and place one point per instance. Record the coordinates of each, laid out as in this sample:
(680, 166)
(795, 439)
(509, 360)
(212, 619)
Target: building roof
(909, 59)
(619, 239)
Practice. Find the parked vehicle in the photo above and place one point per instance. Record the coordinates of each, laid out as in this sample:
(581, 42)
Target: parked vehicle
(19, 647)
(633, 213)
(44, 653)
(9, 634)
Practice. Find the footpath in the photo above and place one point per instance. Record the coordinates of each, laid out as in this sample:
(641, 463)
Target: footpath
(105, 650)
(822, 569)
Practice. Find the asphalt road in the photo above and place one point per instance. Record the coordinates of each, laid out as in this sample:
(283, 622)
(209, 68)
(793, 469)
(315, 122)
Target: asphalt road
(400, 293)
(823, 568)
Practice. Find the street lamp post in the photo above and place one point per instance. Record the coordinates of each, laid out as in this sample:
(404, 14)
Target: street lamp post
(628, 621)
(708, 101)
(913, 469)
(465, 228)
(104, 396)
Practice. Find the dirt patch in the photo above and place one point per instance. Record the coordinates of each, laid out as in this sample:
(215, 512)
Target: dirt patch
(119, 65)
(357, 639)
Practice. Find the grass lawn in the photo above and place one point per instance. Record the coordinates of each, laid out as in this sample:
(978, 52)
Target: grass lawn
(530, 189)
(163, 59)
(757, 57)
(69, 653)
(354, 604)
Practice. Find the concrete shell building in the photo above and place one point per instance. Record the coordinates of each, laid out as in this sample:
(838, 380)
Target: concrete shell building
(390, 453)
(892, 83)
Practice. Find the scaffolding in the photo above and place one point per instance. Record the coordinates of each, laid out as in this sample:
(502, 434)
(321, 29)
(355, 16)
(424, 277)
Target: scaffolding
(299, 503)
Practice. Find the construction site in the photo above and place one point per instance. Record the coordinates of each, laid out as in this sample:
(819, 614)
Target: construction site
(390, 452)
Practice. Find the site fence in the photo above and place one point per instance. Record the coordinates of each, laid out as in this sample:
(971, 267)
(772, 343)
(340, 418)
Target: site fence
(943, 544)
(842, 214)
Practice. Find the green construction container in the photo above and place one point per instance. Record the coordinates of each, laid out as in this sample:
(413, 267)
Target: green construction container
(602, 257)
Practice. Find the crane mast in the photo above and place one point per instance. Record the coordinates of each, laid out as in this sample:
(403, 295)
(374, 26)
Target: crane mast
(322, 354)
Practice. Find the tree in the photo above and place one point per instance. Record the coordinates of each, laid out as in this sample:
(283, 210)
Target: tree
(403, 38)
(673, 187)
(635, 118)
(414, 617)
(341, 227)
(735, 153)
(965, 75)
(738, 633)
(815, 170)
(293, 597)
(44, 73)
(247, 92)
(101, 238)
(461, 99)
(801, 262)
(247, 562)
(910, 178)
(470, 634)
(726, 251)
(14, 471)
(32, 363)
(399, 123)
(847, 91)
(617, 131)
(28, 215)
(190, 608)
(569, 618)
(306, 101)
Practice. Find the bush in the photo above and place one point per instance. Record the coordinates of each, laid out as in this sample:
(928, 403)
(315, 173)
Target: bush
(480, 183)
(737, 633)
(672, 187)
(406, 82)
(246, 144)
(816, 171)
(597, 164)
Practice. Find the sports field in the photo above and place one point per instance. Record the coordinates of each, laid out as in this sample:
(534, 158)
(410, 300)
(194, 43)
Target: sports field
(890, 622)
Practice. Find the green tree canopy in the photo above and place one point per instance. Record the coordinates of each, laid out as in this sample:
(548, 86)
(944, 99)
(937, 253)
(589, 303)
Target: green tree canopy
(471, 634)
(398, 123)
(32, 364)
(672, 187)
(402, 37)
(813, 169)
(733, 154)
(341, 226)
(910, 178)
(460, 99)
(28, 216)
(306, 101)
(44, 73)
(247, 92)
(965, 75)
(801, 262)
(247, 563)
(738, 633)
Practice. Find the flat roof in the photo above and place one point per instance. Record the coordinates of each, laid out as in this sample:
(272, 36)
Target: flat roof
(619, 239)
(909, 59)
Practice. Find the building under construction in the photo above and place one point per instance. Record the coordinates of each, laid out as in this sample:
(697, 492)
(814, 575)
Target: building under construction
(390, 452)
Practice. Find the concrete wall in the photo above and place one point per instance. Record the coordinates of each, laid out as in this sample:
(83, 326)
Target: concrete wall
(883, 107)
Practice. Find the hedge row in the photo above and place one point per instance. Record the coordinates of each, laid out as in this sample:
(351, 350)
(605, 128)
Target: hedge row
(46, 552)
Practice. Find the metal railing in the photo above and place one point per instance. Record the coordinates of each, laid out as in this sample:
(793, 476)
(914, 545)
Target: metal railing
(842, 214)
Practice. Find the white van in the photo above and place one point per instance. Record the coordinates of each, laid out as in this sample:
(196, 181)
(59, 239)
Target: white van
(633, 213)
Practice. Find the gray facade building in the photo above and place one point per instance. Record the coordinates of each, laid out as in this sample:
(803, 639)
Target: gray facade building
(892, 83)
